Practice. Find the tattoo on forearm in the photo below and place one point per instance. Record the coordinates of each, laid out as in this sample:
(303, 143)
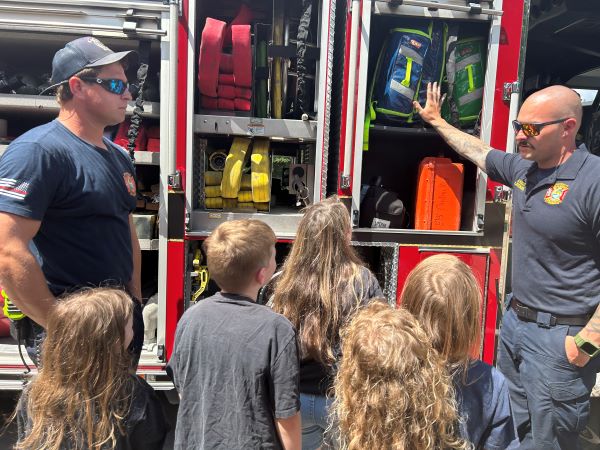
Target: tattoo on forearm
(593, 326)
(466, 145)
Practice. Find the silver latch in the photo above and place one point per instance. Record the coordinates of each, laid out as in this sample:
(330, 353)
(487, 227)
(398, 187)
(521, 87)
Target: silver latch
(129, 27)
(345, 182)
(475, 8)
(501, 194)
(174, 180)
(510, 88)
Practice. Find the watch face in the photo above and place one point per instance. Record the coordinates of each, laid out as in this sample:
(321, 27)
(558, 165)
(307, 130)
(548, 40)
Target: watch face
(588, 348)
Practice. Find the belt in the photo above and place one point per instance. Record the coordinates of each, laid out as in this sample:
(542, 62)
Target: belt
(546, 319)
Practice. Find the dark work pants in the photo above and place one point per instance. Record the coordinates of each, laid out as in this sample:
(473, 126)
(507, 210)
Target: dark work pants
(34, 342)
(550, 397)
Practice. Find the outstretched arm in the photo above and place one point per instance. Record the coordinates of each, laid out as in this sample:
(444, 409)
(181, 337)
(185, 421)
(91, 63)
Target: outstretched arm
(463, 143)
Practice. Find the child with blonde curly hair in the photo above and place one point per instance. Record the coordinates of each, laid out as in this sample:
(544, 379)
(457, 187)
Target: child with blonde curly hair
(392, 389)
(443, 294)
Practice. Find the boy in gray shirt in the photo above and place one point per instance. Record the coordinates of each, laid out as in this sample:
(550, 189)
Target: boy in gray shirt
(234, 362)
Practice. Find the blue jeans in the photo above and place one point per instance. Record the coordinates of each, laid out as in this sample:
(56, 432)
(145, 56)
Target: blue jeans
(550, 397)
(314, 410)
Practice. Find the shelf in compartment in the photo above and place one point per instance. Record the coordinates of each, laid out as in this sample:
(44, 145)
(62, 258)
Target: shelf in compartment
(149, 244)
(48, 105)
(147, 158)
(449, 9)
(287, 129)
(407, 131)
(283, 221)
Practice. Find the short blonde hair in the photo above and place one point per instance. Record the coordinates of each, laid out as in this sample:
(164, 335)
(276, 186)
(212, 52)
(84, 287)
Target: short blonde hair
(392, 390)
(444, 295)
(236, 250)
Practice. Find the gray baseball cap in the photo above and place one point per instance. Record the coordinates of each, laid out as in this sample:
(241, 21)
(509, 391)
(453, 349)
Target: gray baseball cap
(81, 54)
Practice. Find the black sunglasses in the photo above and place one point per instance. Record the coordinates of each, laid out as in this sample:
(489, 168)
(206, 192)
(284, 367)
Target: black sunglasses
(533, 128)
(113, 85)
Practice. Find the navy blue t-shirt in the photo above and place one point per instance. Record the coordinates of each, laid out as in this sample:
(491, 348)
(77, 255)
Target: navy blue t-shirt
(82, 195)
(484, 407)
(556, 232)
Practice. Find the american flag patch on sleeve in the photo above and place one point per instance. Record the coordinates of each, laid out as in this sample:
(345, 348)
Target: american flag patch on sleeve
(13, 188)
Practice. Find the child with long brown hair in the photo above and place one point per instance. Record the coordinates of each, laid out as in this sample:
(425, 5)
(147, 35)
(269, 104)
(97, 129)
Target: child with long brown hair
(84, 396)
(443, 294)
(392, 390)
(323, 282)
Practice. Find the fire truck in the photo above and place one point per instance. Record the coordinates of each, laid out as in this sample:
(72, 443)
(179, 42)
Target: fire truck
(293, 82)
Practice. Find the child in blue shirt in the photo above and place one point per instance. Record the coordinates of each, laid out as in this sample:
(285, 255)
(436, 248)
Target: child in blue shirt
(443, 294)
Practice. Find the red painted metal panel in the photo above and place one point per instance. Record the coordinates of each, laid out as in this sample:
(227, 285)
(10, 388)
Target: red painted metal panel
(509, 53)
(175, 303)
(182, 88)
(491, 318)
(176, 249)
(410, 256)
(344, 114)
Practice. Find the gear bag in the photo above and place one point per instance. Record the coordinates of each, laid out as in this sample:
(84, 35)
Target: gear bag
(466, 73)
(410, 58)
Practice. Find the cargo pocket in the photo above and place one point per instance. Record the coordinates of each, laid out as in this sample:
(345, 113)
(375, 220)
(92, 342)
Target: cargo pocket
(570, 404)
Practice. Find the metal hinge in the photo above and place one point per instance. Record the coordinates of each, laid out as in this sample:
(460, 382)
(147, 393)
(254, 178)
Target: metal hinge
(501, 194)
(474, 7)
(174, 180)
(345, 182)
(510, 88)
(175, 2)
(187, 221)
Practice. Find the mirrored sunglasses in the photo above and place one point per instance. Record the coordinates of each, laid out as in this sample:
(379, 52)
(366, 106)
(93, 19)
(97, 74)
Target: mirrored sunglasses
(113, 85)
(533, 128)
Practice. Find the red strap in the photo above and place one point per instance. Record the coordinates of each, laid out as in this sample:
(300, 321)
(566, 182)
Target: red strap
(226, 91)
(122, 139)
(243, 17)
(242, 55)
(209, 102)
(225, 103)
(210, 56)
(245, 93)
(226, 63)
(241, 104)
(226, 78)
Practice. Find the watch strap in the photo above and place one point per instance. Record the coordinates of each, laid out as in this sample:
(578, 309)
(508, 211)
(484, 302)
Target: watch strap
(581, 343)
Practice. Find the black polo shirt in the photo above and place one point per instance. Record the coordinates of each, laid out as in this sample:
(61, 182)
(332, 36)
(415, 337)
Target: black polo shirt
(556, 230)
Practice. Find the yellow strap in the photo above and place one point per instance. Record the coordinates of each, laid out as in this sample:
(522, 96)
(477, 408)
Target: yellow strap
(470, 75)
(370, 116)
(406, 81)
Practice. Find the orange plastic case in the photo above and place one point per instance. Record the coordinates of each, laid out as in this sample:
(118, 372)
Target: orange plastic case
(439, 195)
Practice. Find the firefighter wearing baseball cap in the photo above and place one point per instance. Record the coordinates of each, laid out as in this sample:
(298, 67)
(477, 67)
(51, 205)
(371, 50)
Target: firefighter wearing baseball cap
(71, 191)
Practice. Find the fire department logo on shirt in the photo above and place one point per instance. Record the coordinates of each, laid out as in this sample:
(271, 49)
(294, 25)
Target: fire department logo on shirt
(129, 183)
(556, 194)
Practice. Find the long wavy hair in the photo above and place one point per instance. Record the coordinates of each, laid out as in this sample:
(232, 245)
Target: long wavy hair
(392, 390)
(443, 294)
(82, 393)
(321, 283)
